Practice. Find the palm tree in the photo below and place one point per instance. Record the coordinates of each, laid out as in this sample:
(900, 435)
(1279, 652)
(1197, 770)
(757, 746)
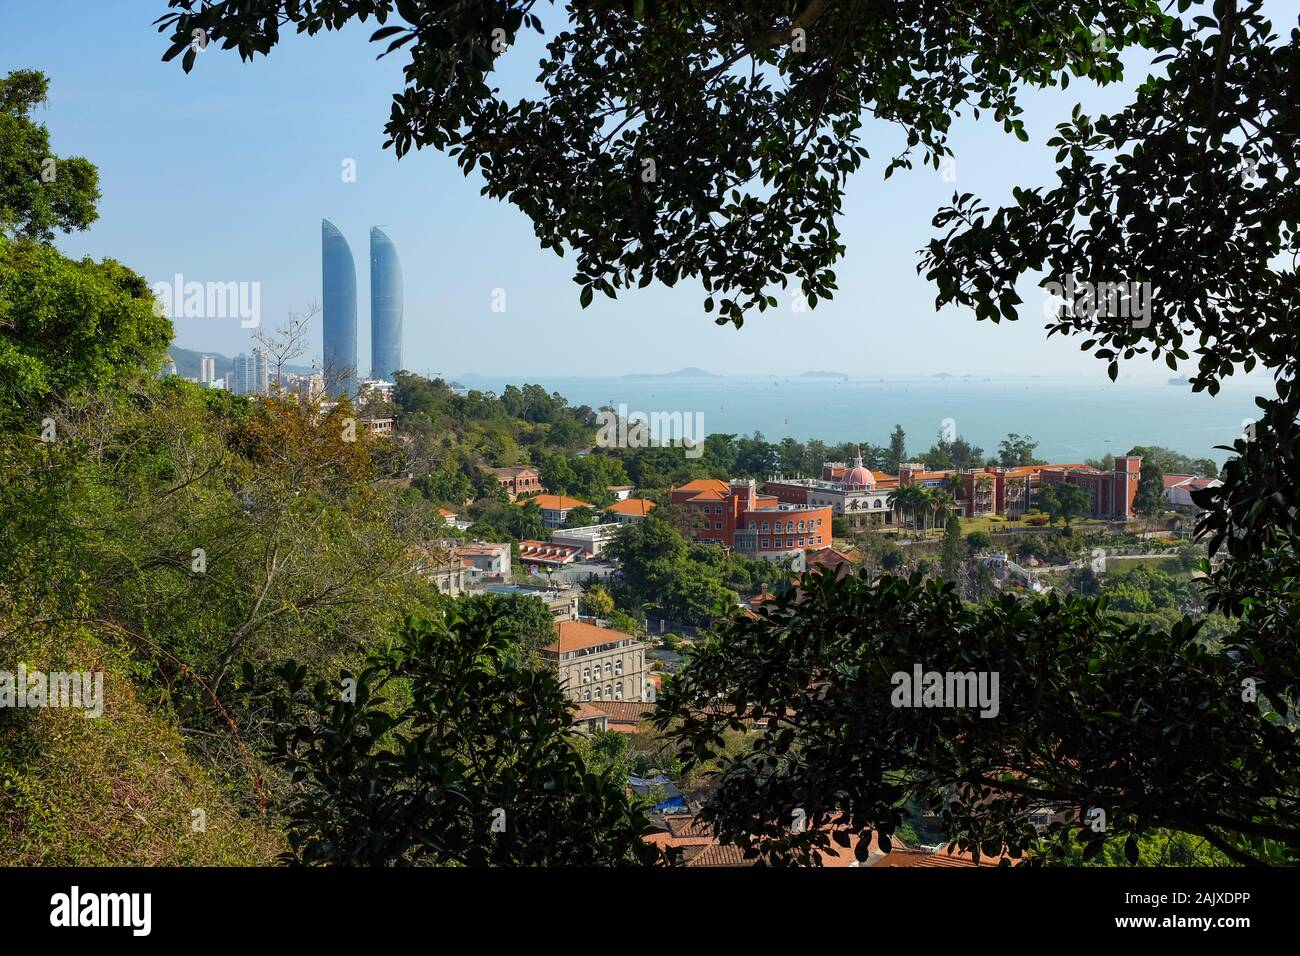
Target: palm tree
(942, 502)
(901, 501)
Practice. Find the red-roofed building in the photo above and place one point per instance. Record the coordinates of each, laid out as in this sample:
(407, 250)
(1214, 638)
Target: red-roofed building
(548, 553)
(761, 526)
(555, 508)
(596, 664)
(630, 510)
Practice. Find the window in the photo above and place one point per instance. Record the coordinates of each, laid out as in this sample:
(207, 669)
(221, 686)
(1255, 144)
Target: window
(789, 542)
(618, 691)
(586, 695)
(586, 675)
(609, 668)
(597, 693)
(618, 667)
(609, 691)
(718, 510)
(801, 542)
(800, 525)
(717, 526)
(763, 543)
(752, 526)
(819, 522)
(764, 525)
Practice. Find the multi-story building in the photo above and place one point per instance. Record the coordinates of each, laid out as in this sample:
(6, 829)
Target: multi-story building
(1011, 492)
(207, 369)
(491, 560)
(592, 539)
(850, 490)
(250, 375)
(596, 663)
(734, 515)
(519, 481)
(338, 311)
(562, 602)
(385, 306)
(629, 510)
(555, 508)
(1111, 492)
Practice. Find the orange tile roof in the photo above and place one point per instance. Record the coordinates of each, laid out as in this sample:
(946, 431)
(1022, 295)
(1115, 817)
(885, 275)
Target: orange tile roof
(576, 635)
(554, 502)
(705, 484)
(640, 507)
(588, 712)
(625, 711)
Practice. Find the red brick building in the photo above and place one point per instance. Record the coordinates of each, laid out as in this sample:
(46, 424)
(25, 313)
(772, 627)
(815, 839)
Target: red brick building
(735, 515)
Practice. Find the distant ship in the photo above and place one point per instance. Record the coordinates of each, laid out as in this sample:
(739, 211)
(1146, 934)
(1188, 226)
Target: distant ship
(1178, 381)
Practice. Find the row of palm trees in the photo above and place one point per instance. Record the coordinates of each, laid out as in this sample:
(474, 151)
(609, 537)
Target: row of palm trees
(924, 508)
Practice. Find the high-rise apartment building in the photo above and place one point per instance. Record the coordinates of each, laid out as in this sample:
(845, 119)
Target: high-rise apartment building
(251, 374)
(207, 369)
(385, 307)
(338, 311)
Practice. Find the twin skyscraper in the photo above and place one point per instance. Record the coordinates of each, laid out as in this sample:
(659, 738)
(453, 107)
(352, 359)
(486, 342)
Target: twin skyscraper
(339, 309)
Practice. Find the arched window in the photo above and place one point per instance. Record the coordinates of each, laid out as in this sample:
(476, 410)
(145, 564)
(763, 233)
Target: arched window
(586, 695)
(586, 675)
(597, 693)
(764, 525)
(609, 691)
(618, 667)
(618, 691)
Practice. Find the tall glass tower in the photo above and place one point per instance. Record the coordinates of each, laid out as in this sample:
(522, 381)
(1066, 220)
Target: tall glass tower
(339, 312)
(385, 307)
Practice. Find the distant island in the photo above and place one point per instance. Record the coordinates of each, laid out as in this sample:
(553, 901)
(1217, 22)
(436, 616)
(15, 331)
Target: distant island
(823, 375)
(691, 372)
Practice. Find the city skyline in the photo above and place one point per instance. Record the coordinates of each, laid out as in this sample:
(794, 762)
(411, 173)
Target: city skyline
(325, 157)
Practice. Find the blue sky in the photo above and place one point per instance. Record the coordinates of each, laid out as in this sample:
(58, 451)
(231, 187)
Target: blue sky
(225, 174)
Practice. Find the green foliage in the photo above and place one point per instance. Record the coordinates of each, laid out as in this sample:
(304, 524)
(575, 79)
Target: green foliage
(1063, 501)
(1017, 450)
(1198, 758)
(953, 551)
(445, 736)
(1150, 498)
(39, 192)
(660, 570)
(70, 326)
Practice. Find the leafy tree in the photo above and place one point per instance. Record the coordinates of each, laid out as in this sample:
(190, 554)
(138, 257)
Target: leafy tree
(1016, 450)
(1075, 688)
(1150, 498)
(953, 552)
(580, 518)
(525, 520)
(39, 192)
(978, 541)
(444, 738)
(526, 620)
(597, 602)
(1063, 501)
(897, 452)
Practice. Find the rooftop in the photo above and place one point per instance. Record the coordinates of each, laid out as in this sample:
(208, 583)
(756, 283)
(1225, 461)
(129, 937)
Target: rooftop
(579, 635)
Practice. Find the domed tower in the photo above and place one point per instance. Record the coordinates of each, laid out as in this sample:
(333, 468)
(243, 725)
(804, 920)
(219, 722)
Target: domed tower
(858, 478)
